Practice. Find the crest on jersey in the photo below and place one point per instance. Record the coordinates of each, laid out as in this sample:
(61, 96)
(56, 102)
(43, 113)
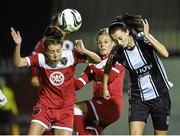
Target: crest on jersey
(36, 111)
(56, 78)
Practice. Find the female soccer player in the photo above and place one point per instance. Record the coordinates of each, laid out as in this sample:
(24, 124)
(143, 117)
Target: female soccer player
(52, 29)
(54, 107)
(94, 115)
(137, 50)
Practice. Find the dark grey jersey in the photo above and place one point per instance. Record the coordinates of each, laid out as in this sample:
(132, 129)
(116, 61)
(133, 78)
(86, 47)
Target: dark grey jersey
(147, 74)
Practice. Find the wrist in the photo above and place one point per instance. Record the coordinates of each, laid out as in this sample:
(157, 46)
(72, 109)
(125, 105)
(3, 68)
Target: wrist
(18, 45)
(147, 36)
(85, 51)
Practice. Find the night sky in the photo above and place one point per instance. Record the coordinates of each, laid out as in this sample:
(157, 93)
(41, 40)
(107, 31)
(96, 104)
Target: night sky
(29, 17)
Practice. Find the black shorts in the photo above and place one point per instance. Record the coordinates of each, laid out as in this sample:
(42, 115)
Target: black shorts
(159, 109)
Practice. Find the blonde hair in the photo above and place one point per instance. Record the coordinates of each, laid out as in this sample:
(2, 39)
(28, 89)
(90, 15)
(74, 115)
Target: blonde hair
(102, 31)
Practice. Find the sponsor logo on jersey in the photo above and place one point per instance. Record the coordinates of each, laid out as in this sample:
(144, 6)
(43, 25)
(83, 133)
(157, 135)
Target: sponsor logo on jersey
(36, 111)
(144, 69)
(56, 78)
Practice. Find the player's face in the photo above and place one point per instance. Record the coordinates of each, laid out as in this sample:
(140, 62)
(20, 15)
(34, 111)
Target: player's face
(120, 38)
(53, 53)
(105, 44)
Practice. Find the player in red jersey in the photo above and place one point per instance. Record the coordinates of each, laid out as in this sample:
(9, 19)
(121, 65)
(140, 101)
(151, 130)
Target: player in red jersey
(39, 48)
(94, 115)
(54, 107)
(49, 31)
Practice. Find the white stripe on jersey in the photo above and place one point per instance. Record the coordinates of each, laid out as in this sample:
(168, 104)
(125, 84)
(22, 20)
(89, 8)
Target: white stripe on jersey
(82, 80)
(95, 112)
(28, 61)
(163, 73)
(116, 70)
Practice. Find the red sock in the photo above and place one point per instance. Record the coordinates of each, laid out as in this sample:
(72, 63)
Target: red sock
(79, 124)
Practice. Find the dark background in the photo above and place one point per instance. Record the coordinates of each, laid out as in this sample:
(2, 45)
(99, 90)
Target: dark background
(31, 18)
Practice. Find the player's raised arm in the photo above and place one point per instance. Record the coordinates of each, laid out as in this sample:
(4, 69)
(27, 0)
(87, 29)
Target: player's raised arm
(18, 61)
(159, 47)
(81, 48)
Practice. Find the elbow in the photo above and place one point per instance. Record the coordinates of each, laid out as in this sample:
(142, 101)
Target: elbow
(16, 65)
(165, 55)
(97, 60)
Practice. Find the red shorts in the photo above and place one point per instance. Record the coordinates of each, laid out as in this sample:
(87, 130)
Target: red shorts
(53, 118)
(103, 112)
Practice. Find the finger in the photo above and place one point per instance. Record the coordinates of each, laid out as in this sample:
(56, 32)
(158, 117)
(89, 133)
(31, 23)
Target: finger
(108, 97)
(77, 41)
(75, 47)
(12, 29)
(105, 97)
(143, 21)
(146, 22)
(18, 33)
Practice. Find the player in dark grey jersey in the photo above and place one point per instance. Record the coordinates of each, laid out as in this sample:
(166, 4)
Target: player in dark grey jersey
(138, 51)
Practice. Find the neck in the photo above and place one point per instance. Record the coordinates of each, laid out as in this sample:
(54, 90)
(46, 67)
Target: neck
(104, 56)
(131, 42)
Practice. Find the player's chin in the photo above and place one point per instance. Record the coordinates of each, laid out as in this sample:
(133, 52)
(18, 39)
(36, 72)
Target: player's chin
(55, 61)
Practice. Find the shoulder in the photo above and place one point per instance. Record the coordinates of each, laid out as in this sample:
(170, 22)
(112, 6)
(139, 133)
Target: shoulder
(68, 45)
(141, 38)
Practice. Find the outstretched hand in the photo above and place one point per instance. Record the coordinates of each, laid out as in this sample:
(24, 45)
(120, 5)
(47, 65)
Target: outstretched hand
(80, 46)
(16, 36)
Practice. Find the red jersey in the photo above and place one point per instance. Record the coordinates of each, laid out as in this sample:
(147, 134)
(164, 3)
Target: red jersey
(57, 85)
(39, 48)
(95, 73)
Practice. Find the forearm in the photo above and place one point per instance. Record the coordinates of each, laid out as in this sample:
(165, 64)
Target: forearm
(18, 61)
(92, 56)
(159, 47)
(17, 55)
(107, 70)
(105, 81)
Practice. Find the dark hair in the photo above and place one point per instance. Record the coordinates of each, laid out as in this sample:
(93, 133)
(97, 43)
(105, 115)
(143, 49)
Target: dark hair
(53, 31)
(52, 40)
(125, 22)
(54, 19)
